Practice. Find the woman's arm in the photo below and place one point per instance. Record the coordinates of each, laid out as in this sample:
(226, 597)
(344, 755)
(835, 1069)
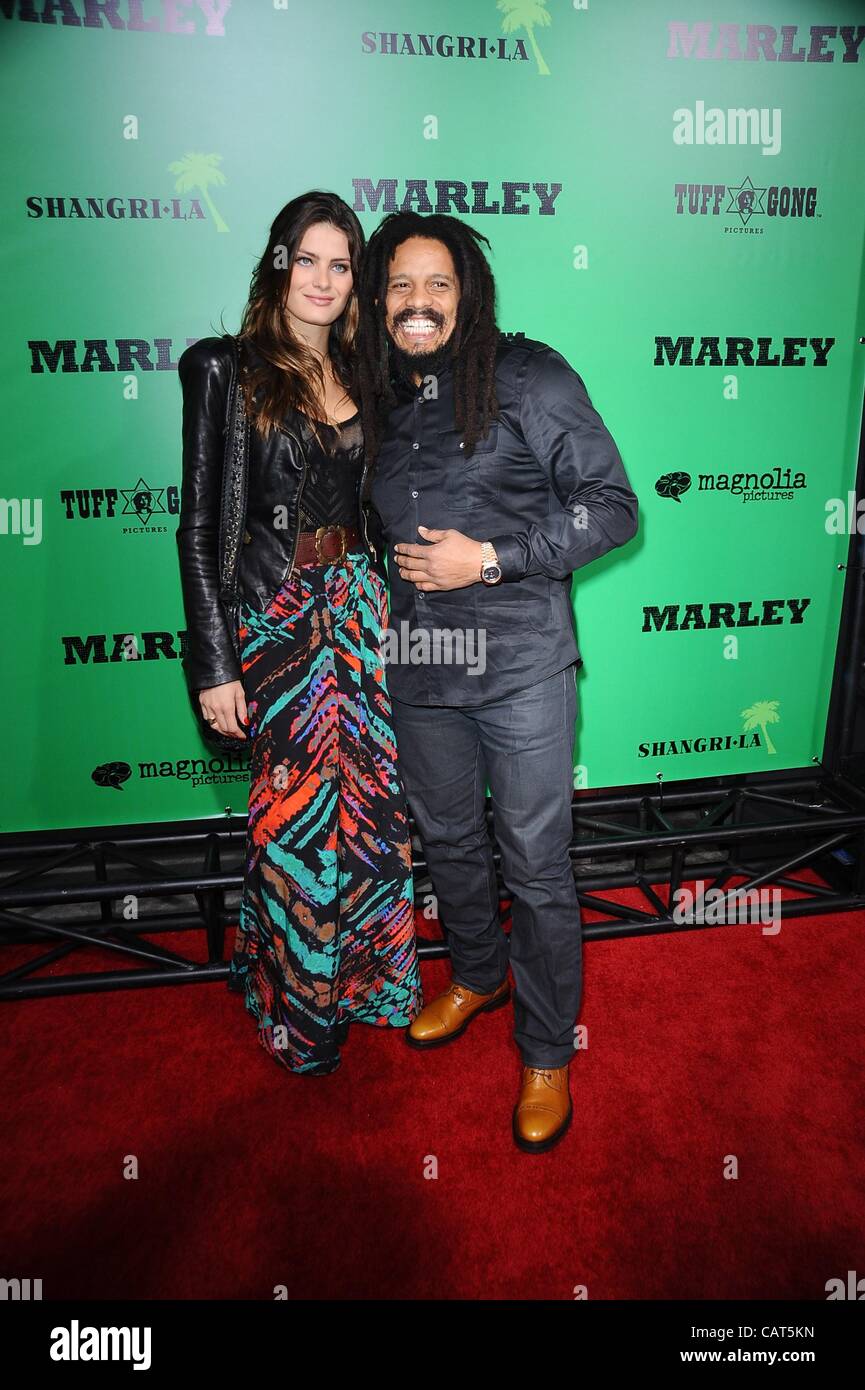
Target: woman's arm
(204, 371)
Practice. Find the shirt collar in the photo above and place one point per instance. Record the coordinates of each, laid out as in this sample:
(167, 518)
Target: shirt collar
(404, 389)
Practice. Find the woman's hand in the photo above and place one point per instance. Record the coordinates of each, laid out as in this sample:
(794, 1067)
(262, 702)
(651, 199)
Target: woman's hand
(224, 707)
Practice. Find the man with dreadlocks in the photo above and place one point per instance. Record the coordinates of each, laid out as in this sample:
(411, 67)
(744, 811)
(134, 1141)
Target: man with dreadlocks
(492, 478)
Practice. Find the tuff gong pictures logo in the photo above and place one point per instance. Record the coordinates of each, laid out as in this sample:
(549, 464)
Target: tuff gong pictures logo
(141, 501)
(744, 201)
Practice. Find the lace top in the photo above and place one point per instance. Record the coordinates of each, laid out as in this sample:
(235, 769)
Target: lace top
(331, 490)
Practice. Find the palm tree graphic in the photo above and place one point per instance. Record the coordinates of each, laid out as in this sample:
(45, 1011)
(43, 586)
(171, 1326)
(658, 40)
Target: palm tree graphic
(758, 715)
(526, 14)
(197, 171)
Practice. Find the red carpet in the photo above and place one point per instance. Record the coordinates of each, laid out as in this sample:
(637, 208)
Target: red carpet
(700, 1045)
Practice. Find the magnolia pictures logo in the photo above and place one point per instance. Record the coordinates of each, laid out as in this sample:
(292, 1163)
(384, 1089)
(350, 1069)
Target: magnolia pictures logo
(216, 769)
(111, 775)
(773, 485)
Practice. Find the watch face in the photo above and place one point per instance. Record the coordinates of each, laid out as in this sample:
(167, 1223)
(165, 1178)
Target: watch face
(490, 574)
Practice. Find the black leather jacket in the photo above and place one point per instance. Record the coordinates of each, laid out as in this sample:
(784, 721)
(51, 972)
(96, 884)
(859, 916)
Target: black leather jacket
(277, 468)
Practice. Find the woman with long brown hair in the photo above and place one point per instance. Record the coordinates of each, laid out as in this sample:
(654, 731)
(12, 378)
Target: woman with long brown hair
(291, 648)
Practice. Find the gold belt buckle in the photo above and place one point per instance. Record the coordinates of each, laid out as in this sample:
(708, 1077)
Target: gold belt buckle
(321, 531)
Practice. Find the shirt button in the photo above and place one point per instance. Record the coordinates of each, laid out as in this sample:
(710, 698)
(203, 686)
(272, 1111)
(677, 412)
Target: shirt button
(414, 492)
(417, 446)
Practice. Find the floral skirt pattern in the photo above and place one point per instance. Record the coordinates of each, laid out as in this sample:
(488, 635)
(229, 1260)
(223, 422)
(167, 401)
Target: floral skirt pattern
(326, 934)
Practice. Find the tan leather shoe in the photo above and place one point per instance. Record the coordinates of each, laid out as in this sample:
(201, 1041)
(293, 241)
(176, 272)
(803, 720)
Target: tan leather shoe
(543, 1112)
(447, 1016)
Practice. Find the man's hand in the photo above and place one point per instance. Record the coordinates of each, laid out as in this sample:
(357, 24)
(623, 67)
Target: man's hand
(452, 561)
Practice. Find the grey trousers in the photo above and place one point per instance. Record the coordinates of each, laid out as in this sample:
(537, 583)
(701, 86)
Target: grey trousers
(523, 747)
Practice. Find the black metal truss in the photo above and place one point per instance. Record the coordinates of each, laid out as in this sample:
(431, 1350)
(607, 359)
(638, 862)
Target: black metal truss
(760, 827)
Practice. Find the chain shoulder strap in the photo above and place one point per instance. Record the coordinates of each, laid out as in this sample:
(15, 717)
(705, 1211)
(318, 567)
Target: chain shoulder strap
(234, 481)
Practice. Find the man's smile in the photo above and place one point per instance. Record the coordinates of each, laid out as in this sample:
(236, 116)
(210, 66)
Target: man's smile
(419, 328)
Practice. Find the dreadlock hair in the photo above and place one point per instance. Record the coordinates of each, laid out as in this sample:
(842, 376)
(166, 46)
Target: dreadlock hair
(290, 376)
(473, 340)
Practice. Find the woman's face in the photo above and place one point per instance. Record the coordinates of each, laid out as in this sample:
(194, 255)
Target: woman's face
(321, 278)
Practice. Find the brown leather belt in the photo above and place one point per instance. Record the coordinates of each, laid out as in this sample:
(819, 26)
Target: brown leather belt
(326, 545)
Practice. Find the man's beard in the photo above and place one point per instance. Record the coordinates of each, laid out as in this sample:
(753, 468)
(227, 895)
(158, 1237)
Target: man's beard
(423, 363)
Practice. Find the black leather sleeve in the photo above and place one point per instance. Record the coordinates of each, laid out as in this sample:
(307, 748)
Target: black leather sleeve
(204, 371)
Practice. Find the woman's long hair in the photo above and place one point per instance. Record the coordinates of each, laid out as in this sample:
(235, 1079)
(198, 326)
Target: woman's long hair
(290, 374)
(473, 341)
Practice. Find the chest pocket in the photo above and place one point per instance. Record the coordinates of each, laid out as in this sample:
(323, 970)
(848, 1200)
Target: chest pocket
(470, 482)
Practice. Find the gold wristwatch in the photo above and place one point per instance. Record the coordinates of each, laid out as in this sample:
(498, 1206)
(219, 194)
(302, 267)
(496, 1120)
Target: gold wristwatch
(491, 570)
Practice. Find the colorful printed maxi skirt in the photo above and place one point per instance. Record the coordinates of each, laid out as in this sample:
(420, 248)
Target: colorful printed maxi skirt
(326, 933)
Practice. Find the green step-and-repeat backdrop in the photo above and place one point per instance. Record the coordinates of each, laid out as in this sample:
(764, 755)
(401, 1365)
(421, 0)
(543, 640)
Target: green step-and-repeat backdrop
(674, 202)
